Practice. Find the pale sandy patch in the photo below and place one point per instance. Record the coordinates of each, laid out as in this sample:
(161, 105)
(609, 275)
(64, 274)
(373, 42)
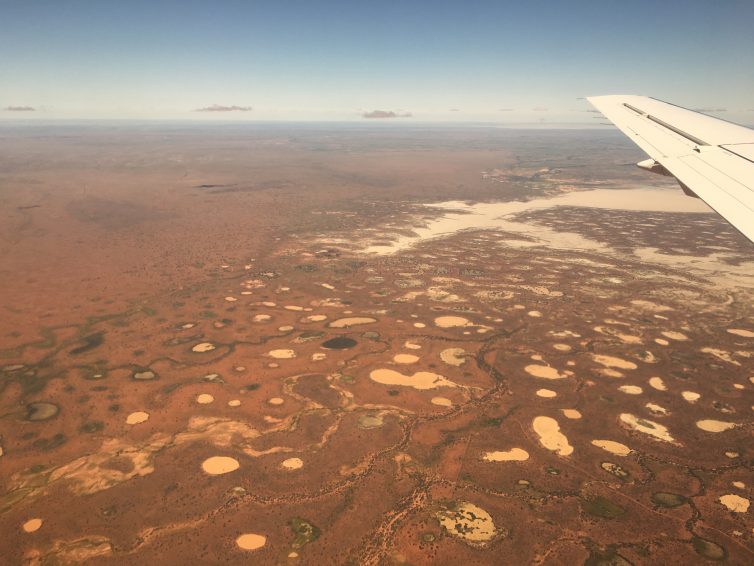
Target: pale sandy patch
(512, 455)
(419, 380)
(661, 341)
(234, 403)
(203, 347)
(544, 372)
(286, 328)
(251, 541)
(32, 525)
(314, 318)
(137, 417)
(613, 447)
(741, 332)
(262, 318)
(690, 396)
(204, 399)
(546, 393)
(534, 314)
(451, 321)
(276, 401)
(292, 463)
(351, 321)
(631, 389)
(720, 355)
(711, 425)
(282, 354)
(657, 383)
(318, 356)
(739, 484)
(293, 308)
(613, 362)
(453, 356)
(441, 401)
(468, 522)
(419, 325)
(562, 347)
(735, 503)
(327, 286)
(217, 465)
(571, 413)
(673, 335)
(405, 359)
(550, 436)
(411, 346)
(231, 299)
(650, 428)
(656, 409)
(650, 306)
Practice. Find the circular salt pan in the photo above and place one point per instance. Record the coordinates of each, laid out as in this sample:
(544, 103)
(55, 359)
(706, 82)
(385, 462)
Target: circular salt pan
(137, 418)
(405, 359)
(292, 463)
(451, 321)
(735, 503)
(741, 332)
(281, 354)
(32, 525)
(217, 465)
(453, 356)
(351, 321)
(546, 393)
(613, 447)
(613, 362)
(251, 541)
(711, 425)
(544, 372)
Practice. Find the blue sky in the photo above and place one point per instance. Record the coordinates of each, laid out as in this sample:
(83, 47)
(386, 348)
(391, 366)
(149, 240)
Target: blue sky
(522, 61)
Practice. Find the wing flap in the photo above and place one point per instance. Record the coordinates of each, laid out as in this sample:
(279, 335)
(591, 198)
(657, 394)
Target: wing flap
(713, 158)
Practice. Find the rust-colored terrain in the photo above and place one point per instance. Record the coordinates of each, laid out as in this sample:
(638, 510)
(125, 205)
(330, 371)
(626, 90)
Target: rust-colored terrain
(212, 351)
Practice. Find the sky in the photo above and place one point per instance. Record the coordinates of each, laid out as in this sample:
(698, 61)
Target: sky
(399, 61)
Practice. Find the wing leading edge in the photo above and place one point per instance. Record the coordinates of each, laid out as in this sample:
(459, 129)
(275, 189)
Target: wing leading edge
(711, 158)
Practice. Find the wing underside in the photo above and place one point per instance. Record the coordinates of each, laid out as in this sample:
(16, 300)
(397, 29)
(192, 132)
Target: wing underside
(711, 158)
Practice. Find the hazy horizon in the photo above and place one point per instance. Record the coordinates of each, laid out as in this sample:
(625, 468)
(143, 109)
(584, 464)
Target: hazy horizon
(336, 61)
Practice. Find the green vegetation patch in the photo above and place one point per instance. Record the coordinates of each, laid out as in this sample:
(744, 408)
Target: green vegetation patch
(666, 499)
(304, 532)
(603, 508)
(709, 549)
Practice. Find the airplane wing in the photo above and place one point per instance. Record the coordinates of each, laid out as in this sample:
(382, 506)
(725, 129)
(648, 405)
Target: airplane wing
(711, 158)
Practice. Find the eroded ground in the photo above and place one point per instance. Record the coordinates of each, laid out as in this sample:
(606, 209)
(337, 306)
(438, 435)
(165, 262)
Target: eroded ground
(203, 362)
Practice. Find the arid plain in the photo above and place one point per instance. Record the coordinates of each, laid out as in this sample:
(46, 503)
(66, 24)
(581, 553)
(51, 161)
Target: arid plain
(366, 345)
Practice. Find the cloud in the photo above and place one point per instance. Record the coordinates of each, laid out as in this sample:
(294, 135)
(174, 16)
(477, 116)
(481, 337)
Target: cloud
(20, 109)
(540, 109)
(386, 114)
(710, 109)
(505, 109)
(219, 108)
